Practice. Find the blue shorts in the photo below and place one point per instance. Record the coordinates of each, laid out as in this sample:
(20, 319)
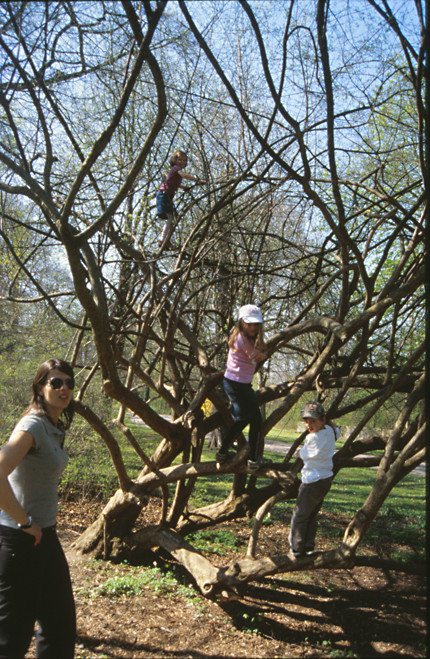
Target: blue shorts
(165, 205)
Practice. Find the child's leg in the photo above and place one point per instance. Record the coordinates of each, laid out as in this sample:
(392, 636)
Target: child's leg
(303, 522)
(254, 435)
(229, 436)
(323, 486)
(243, 404)
(165, 210)
(166, 230)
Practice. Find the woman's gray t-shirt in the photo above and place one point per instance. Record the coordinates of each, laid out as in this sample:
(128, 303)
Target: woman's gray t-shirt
(35, 480)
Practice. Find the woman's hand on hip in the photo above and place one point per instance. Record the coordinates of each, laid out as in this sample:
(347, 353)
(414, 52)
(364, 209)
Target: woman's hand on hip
(36, 531)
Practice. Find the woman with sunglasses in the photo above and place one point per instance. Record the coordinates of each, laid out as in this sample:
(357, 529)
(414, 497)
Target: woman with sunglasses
(34, 576)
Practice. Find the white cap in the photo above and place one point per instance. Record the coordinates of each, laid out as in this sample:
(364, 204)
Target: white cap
(250, 314)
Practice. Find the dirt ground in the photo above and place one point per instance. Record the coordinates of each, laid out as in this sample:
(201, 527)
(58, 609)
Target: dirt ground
(363, 612)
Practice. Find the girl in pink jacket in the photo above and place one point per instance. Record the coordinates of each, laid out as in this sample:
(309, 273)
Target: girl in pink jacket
(246, 348)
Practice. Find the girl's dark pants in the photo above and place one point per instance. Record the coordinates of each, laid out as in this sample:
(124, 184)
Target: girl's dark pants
(35, 586)
(244, 410)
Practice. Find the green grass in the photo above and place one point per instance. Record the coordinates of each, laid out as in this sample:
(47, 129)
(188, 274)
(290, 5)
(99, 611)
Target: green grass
(351, 487)
(90, 471)
(214, 541)
(282, 435)
(400, 521)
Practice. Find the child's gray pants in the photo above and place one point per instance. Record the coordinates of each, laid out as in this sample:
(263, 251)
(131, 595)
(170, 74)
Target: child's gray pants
(304, 520)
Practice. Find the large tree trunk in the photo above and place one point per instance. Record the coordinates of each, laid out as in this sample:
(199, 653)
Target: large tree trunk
(114, 522)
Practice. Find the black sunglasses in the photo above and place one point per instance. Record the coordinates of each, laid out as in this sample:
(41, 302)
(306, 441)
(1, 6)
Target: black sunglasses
(57, 383)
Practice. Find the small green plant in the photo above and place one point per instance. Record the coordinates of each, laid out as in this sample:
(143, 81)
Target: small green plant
(214, 541)
(251, 624)
(326, 647)
(120, 585)
(134, 581)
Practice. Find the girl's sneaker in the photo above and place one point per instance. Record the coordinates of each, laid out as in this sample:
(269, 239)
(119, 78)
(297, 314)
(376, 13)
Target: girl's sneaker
(255, 465)
(224, 457)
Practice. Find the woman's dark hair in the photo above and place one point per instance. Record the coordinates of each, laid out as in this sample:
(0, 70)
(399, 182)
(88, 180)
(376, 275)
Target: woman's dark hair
(37, 402)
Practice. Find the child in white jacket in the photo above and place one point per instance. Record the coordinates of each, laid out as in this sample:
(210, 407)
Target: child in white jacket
(317, 474)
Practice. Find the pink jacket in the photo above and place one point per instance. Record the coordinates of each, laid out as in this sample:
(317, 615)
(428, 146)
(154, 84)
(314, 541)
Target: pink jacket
(172, 181)
(241, 361)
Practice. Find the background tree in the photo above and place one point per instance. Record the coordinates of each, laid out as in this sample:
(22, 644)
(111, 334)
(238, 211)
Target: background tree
(309, 132)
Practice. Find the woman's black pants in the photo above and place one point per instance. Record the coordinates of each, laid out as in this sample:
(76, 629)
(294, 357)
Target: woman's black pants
(35, 586)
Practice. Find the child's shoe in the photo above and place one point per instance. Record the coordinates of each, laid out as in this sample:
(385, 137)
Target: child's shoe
(255, 465)
(224, 457)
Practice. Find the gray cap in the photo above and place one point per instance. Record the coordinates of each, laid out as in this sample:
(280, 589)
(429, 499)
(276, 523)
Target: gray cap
(312, 410)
